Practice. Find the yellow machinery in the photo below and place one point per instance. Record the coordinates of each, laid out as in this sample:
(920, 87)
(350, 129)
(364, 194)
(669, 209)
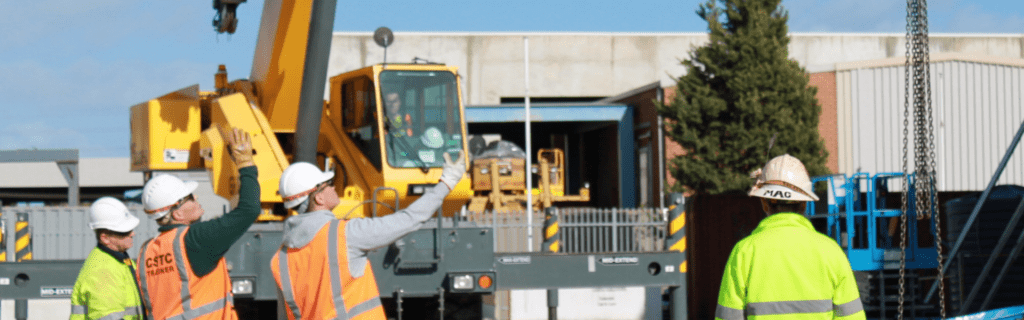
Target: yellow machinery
(499, 183)
(380, 149)
(383, 131)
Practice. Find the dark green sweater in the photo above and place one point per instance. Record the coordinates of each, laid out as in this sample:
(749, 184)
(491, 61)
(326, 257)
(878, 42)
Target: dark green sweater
(206, 242)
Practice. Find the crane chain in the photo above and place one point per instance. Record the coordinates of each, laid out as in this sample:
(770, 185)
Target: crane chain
(906, 173)
(933, 208)
(925, 194)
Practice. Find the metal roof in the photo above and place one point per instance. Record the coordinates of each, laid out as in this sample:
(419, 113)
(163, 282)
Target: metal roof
(95, 172)
(562, 112)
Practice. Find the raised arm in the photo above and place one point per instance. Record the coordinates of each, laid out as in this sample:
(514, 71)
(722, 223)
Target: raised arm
(206, 242)
(367, 234)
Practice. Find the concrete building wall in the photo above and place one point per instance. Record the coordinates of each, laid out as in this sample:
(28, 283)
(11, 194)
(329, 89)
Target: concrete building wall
(606, 64)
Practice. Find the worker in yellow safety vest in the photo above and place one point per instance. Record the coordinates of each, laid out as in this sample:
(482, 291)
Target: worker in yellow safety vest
(182, 270)
(785, 269)
(106, 287)
(322, 271)
(399, 121)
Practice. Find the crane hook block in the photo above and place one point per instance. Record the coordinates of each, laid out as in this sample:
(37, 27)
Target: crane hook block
(225, 20)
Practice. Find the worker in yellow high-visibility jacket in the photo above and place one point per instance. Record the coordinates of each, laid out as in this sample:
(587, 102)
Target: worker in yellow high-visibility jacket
(785, 269)
(106, 287)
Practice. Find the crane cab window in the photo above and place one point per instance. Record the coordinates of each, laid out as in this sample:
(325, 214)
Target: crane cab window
(422, 118)
(359, 108)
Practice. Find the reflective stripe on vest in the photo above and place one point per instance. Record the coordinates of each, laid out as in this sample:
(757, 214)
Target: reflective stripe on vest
(365, 306)
(789, 307)
(128, 311)
(203, 310)
(286, 283)
(179, 263)
(849, 308)
(143, 285)
(727, 313)
(332, 259)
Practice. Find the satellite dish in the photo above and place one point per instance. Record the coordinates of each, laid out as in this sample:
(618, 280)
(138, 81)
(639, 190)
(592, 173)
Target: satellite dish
(383, 37)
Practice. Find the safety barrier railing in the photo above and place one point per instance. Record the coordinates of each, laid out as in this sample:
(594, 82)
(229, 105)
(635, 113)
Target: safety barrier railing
(581, 230)
(63, 233)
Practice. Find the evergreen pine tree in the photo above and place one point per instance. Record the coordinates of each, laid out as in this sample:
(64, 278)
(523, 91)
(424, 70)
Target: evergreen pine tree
(740, 89)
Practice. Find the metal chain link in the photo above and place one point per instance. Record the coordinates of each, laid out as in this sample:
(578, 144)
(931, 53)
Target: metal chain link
(920, 98)
(933, 208)
(926, 192)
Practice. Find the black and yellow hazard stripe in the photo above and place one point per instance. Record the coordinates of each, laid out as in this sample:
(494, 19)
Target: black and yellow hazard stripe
(3, 238)
(23, 238)
(551, 236)
(677, 232)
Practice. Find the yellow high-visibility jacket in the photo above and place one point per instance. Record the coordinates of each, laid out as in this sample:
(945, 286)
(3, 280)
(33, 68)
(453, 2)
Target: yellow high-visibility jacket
(787, 270)
(105, 289)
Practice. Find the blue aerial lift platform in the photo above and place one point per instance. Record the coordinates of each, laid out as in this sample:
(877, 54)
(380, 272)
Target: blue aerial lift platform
(857, 214)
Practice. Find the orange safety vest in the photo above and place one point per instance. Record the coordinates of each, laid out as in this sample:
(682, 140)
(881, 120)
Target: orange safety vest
(170, 288)
(307, 296)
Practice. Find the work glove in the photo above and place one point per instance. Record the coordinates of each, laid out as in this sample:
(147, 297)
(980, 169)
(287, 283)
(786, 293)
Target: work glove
(240, 145)
(453, 171)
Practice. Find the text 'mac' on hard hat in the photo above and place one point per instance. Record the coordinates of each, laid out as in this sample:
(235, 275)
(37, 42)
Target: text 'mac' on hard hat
(783, 178)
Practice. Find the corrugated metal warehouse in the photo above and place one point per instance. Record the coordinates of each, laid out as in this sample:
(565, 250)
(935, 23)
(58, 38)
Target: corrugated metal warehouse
(976, 103)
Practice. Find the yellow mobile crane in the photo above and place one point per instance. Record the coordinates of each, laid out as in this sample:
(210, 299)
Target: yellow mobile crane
(379, 150)
(384, 131)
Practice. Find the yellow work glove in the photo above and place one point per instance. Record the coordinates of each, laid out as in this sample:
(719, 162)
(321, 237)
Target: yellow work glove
(240, 146)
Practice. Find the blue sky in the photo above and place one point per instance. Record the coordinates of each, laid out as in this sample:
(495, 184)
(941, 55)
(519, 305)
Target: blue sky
(69, 70)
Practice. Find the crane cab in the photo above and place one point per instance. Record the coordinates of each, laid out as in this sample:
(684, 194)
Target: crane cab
(387, 128)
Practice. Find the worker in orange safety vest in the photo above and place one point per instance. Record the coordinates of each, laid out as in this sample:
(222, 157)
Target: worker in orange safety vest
(322, 271)
(182, 270)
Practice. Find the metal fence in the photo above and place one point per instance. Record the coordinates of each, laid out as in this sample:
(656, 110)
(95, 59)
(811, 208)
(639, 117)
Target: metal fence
(582, 230)
(63, 233)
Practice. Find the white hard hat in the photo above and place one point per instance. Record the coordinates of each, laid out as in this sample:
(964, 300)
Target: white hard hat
(109, 213)
(783, 178)
(432, 138)
(299, 180)
(162, 192)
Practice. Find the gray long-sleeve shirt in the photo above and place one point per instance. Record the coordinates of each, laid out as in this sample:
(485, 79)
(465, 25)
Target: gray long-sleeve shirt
(363, 235)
